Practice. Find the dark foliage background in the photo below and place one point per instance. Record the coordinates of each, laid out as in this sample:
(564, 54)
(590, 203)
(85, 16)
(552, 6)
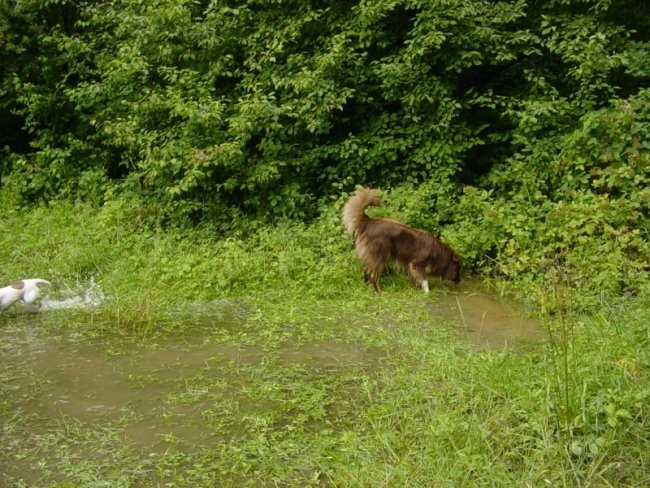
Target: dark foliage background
(517, 129)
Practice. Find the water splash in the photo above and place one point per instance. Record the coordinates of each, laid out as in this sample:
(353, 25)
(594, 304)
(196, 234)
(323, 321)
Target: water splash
(81, 296)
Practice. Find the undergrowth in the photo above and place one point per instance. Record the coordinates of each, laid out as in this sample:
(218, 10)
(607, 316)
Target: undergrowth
(406, 402)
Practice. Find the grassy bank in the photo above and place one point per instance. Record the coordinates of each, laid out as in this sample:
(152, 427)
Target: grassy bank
(265, 360)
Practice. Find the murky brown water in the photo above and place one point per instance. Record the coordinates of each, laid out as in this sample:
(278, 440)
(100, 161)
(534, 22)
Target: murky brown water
(102, 381)
(146, 392)
(110, 380)
(486, 320)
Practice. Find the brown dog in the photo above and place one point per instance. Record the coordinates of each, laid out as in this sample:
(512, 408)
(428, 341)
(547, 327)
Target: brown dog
(416, 251)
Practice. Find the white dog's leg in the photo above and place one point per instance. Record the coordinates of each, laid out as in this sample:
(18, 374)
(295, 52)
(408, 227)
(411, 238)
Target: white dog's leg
(425, 286)
(31, 294)
(31, 290)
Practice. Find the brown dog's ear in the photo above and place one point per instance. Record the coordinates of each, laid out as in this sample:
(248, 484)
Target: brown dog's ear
(18, 285)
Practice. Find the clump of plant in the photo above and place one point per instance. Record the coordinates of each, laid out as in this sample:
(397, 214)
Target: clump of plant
(584, 205)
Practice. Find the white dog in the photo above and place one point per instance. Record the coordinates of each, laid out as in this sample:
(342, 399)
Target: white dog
(25, 290)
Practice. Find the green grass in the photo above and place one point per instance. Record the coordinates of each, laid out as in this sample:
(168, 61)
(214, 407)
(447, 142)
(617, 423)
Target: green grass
(295, 373)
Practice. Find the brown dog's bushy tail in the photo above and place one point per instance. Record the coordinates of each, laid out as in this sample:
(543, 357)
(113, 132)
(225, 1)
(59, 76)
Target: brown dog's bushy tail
(354, 210)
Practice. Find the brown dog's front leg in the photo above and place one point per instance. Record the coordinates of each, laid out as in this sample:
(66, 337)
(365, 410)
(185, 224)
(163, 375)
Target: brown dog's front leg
(417, 275)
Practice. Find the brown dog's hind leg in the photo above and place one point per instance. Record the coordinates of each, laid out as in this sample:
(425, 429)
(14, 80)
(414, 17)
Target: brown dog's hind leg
(375, 282)
(373, 275)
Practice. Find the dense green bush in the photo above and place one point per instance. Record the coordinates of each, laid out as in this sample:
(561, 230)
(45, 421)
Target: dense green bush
(582, 209)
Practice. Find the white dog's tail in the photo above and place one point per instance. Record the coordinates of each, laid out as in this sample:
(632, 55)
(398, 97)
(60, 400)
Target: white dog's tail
(354, 210)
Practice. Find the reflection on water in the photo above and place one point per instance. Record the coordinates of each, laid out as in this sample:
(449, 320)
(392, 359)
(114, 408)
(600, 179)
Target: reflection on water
(486, 320)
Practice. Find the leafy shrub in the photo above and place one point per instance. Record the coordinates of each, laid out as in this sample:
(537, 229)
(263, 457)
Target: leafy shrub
(587, 212)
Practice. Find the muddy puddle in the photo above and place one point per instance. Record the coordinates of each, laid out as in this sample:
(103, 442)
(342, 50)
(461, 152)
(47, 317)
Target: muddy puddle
(171, 391)
(486, 320)
(150, 393)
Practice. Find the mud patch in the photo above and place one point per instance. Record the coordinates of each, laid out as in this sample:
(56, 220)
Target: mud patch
(486, 320)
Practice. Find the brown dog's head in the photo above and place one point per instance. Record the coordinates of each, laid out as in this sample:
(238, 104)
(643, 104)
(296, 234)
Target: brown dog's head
(447, 267)
(452, 273)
